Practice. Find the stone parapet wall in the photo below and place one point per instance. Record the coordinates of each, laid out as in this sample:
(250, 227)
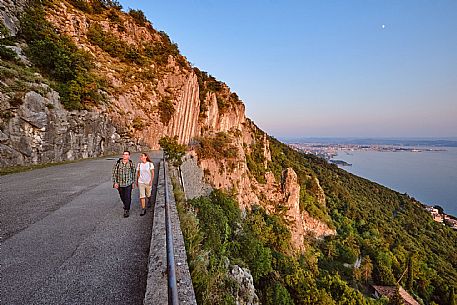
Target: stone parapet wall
(156, 289)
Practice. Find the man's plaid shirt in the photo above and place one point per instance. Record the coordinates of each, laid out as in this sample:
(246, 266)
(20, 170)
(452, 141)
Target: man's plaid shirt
(124, 174)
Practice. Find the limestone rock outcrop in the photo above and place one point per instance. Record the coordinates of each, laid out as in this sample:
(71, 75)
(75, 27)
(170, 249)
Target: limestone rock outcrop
(41, 131)
(301, 223)
(245, 290)
(291, 190)
(10, 11)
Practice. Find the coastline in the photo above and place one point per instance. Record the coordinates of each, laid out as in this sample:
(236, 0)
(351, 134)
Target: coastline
(428, 176)
(426, 173)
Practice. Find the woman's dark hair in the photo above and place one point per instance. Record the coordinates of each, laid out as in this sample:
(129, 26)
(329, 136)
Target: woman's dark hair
(147, 157)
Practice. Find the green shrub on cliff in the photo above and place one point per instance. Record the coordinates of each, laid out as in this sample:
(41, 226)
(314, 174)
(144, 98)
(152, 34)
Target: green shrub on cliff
(217, 147)
(7, 54)
(138, 16)
(166, 110)
(172, 149)
(95, 6)
(114, 46)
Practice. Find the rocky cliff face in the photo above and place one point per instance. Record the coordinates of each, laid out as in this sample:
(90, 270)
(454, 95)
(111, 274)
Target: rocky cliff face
(144, 100)
(10, 11)
(235, 176)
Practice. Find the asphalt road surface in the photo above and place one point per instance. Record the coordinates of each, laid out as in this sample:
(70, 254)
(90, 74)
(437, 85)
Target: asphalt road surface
(64, 239)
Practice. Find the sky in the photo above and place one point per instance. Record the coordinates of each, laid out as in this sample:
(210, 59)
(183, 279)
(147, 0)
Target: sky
(324, 68)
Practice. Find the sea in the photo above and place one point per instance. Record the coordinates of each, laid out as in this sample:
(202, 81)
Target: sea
(428, 176)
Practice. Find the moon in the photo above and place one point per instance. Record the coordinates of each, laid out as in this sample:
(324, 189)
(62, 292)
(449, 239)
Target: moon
(383, 26)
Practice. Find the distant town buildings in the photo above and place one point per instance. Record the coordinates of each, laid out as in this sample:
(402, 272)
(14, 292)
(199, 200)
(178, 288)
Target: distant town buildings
(442, 217)
(435, 214)
(328, 151)
(450, 222)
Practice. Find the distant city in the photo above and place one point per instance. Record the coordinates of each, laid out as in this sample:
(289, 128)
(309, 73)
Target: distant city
(329, 150)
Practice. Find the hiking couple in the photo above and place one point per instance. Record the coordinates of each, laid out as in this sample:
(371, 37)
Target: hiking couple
(126, 176)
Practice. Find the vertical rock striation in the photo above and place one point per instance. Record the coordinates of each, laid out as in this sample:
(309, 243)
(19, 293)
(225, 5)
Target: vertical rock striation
(184, 123)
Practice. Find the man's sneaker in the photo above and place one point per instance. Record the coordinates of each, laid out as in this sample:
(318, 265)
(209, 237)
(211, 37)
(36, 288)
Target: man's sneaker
(126, 213)
(143, 212)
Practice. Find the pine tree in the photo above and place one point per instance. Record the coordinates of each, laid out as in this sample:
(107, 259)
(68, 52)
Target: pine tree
(396, 299)
(409, 279)
(367, 268)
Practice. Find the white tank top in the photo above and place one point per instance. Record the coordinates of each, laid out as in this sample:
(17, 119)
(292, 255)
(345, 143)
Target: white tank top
(145, 172)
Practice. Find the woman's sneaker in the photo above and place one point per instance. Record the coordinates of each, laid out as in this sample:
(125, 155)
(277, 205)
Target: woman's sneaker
(143, 212)
(126, 213)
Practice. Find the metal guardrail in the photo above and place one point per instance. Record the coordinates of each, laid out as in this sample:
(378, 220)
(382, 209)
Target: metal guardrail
(171, 268)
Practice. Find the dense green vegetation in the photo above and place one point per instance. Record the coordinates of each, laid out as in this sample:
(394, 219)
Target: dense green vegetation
(383, 237)
(166, 110)
(138, 16)
(71, 68)
(217, 237)
(4, 32)
(157, 51)
(95, 6)
(390, 229)
(7, 54)
(172, 149)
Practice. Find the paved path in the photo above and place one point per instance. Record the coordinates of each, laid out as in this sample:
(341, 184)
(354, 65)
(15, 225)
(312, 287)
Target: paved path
(64, 240)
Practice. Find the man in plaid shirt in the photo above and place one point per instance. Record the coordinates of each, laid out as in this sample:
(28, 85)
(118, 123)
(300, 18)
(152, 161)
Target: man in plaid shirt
(123, 178)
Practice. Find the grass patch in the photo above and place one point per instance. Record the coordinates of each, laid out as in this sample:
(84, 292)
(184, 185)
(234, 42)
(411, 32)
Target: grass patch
(25, 168)
(7, 170)
(7, 54)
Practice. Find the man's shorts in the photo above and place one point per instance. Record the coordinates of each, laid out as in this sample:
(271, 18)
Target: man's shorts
(145, 190)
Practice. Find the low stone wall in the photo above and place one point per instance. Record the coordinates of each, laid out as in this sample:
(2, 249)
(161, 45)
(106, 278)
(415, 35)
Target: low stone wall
(184, 281)
(157, 287)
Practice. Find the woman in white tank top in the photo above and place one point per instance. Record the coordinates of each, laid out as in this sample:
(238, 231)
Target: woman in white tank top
(144, 178)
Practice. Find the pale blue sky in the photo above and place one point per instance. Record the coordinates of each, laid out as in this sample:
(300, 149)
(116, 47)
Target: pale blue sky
(325, 68)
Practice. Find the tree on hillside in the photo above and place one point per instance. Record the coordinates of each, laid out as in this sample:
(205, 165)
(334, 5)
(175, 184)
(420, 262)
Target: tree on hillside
(439, 208)
(409, 278)
(172, 149)
(366, 267)
(396, 299)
